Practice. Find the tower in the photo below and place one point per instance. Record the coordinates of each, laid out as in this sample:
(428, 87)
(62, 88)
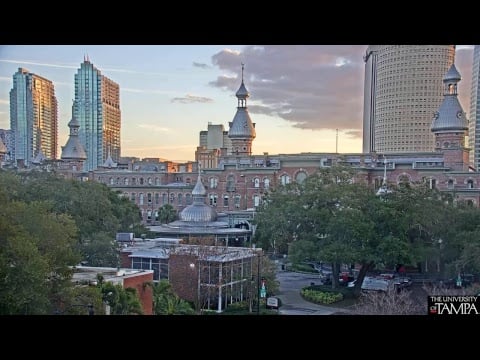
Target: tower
(73, 150)
(242, 130)
(450, 125)
(33, 118)
(97, 109)
(403, 87)
(474, 114)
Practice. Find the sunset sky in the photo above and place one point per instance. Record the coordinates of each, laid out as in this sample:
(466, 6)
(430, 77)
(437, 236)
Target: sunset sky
(299, 94)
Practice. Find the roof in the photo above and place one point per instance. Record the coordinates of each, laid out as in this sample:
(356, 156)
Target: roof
(450, 115)
(452, 74)
(242, 125)
(242, 92)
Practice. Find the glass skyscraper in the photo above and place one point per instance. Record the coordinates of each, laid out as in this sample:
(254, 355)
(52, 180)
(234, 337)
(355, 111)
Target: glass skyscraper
(33, 118)
(97, 109)
(474, 115)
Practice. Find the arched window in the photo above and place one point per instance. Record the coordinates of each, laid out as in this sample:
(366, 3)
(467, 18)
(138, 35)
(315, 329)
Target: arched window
(132, 197)
(300, 177)
(256, 200)
(157, 199)
(125, 181)
(149, 198)
(111, 181)
(149, 181)
(213, 199)
(450, 184)
(470, 184)
(164, 199)
(256, 182)
(140, 199)
(141, 181)
(157, 181)
(180, 199)
(188, 199)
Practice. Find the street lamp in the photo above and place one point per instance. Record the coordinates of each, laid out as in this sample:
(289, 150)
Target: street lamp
(245, 179)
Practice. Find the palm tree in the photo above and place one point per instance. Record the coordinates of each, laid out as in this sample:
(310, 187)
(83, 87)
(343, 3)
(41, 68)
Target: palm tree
(166, 214)
(166, 302)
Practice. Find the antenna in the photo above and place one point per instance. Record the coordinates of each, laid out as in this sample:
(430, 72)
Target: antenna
(336, 142)
(242, 70)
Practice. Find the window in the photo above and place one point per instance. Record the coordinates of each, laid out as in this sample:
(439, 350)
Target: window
(149, 198)
(157, 199)
(256, 201)
(300, 177)
(213, 183)
(285, 179)
(450, 184)
(132, 197)
(140, 199)
(180, 199)
(237, 201)
(256, 182)
(470, 184)
(230, 183)
(213, 199)
(125, 181)
(141, 181)
(188, 199)
(164, 199)
(225, 200)
(266, 183)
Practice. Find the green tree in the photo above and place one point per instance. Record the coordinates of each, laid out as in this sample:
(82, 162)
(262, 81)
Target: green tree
(167, 214)
(37, 246)
(166, 302)
(121, 301)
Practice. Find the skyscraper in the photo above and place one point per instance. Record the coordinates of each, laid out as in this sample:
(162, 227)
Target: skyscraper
(33, 117)
(97, 109)
(474, 115)
(403, 89)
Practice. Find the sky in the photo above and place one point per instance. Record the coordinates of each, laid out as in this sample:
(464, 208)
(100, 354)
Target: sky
(300, 95)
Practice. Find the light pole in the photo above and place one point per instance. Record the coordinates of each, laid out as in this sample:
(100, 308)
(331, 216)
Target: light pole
(245, 180)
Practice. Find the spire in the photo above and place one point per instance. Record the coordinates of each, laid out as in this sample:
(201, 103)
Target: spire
(242, 93)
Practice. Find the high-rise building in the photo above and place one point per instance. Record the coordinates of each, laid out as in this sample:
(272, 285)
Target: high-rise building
(403, 89)
(33, 118)
(215, 137)
(474, 115)
(97, 110)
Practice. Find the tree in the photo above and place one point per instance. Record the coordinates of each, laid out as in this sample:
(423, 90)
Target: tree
(334, 217)
(167, 214)
(121, 301)
(37, 247)
(166, 302)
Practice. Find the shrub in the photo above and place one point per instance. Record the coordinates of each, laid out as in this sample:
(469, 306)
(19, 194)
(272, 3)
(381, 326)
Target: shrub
(321, 297)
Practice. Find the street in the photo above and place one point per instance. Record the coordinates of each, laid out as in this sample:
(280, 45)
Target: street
(292, 303)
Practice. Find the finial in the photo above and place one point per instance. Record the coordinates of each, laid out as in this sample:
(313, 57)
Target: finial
(242, 70)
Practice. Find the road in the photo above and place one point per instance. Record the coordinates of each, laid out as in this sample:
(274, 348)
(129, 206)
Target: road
(289, 294)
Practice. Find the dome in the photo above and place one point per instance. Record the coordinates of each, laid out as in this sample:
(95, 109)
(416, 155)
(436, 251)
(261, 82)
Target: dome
(242, 92)
(450, 116)
(198, 213)
(242, 125)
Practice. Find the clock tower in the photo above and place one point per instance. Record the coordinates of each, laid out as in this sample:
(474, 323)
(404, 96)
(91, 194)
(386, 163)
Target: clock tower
(450, 125)
(242, 130)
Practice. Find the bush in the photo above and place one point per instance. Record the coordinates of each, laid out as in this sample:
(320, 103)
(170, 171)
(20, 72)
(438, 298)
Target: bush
(321, 297)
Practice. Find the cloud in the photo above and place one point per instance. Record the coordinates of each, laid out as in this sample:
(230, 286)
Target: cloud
(311, 87)
(72, 66)
(146, 91)
(4, 102)
(190, 99)
(200, 65)
(4, 78)
(153, 127)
